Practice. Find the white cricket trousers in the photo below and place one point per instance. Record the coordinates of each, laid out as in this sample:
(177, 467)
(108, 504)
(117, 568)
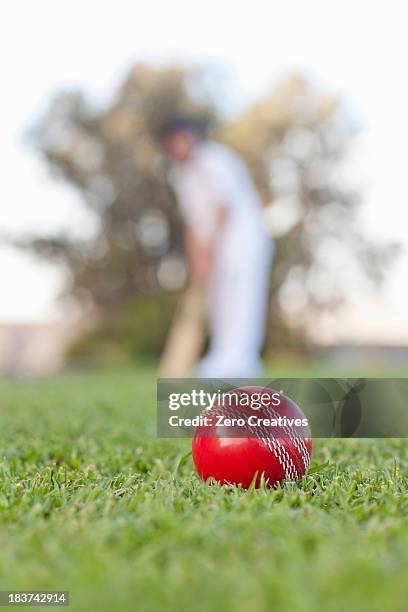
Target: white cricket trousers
(237, 309)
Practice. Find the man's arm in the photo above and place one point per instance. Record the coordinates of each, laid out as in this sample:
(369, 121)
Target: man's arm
(201, 252)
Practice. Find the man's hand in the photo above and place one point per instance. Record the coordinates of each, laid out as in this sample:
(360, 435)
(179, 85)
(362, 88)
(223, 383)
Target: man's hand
(201, 253)
(201, 264)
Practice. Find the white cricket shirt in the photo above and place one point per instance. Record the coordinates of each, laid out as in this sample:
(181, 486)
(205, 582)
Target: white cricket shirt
(215, 175)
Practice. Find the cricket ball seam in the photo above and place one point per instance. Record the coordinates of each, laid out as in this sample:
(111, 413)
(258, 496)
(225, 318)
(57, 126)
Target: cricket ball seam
(297, 440)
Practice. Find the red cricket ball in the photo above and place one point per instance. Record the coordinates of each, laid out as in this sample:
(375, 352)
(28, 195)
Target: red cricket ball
(238, 444)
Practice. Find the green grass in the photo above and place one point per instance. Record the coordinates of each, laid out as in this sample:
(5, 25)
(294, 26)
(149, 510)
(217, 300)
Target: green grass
(92, 502)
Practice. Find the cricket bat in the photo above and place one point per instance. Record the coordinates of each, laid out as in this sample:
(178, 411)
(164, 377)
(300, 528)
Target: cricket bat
(186, 336)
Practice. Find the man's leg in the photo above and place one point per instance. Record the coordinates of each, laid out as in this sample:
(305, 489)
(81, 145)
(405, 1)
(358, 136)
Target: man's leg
(237, 313)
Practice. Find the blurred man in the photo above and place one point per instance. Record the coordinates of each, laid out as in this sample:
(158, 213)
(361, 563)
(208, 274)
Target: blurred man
(228, 250)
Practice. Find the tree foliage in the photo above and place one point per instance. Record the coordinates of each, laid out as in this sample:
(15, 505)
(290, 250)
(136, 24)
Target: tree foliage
(295, 140)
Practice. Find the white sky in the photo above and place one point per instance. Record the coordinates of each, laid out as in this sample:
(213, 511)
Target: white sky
(357, 49)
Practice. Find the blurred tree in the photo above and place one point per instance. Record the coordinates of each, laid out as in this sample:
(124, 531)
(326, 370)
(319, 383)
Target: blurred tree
(295, 141)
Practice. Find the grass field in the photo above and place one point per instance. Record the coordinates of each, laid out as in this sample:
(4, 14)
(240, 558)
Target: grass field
(92, 502)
